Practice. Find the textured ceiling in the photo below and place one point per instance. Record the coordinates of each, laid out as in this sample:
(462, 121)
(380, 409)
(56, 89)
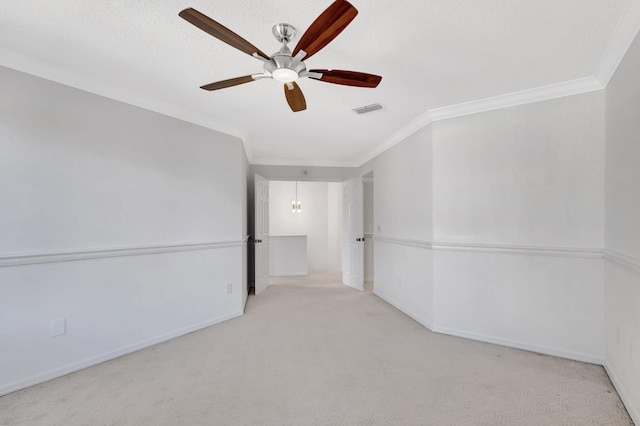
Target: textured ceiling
(431, 54)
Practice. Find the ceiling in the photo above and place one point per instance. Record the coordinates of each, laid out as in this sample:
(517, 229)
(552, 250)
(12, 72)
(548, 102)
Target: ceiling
(431, 54)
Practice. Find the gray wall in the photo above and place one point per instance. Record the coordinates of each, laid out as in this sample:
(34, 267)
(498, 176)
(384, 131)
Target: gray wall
(367, 202)
(125, 223)
(622, 230)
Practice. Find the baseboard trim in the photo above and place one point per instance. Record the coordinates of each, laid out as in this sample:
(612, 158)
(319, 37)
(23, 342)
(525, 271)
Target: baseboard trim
(290, 274)
(546, 350)
(361, 289)
(88, 254)
(575, 356)
(80, 365)
(628, 404)
(418, 318)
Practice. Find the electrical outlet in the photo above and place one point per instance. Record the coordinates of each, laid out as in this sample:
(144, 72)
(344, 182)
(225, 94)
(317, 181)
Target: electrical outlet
(229, 288)
(399, 282)
(58, 327)
(379, 228)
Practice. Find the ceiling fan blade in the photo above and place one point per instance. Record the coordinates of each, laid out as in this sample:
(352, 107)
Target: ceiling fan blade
(228, 83)
(294, 96)
(326, 27)
(220, 32)
(348, 78)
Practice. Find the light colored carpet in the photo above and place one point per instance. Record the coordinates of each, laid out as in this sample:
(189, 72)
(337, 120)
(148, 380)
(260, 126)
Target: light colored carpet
(317, 353)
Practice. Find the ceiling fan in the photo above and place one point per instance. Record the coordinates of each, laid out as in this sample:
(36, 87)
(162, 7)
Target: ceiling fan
(286, 66)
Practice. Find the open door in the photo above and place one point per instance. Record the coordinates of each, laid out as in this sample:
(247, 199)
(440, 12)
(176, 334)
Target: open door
(353, 235)
(261, 237)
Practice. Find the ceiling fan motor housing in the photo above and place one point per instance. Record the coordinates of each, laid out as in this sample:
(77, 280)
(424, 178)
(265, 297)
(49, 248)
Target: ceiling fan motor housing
(287, 68)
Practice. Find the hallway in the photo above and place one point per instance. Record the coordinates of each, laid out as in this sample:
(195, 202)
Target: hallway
(315, 352)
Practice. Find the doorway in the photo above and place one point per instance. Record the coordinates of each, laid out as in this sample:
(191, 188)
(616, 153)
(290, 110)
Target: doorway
(305, 222)
(305, 231)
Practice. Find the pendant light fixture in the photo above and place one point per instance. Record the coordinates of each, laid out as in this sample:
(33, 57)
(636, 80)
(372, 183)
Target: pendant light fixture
(296, 205)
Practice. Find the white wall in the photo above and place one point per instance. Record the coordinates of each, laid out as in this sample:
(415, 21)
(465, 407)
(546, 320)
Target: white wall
(622, 230)
(334, 226)
(312, 221)
(528, 175)
(489, 226)
(548, 303)
(524, 177)
(127, 223)
(403, 225)
(246, 216)
(288, 255)
(402, 189)
(367, 204)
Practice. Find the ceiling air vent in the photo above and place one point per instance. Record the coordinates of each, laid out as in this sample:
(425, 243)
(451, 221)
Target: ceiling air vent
(368, 108)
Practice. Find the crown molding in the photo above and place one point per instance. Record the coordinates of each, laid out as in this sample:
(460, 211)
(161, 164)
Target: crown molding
(67, 77)
(623, 36)
(413, 126)
(626, 31)
(74, 80)
(522, 97)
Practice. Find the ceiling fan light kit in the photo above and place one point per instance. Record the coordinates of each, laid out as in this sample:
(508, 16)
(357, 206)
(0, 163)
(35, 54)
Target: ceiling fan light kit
(284, 75)
(286, 66)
